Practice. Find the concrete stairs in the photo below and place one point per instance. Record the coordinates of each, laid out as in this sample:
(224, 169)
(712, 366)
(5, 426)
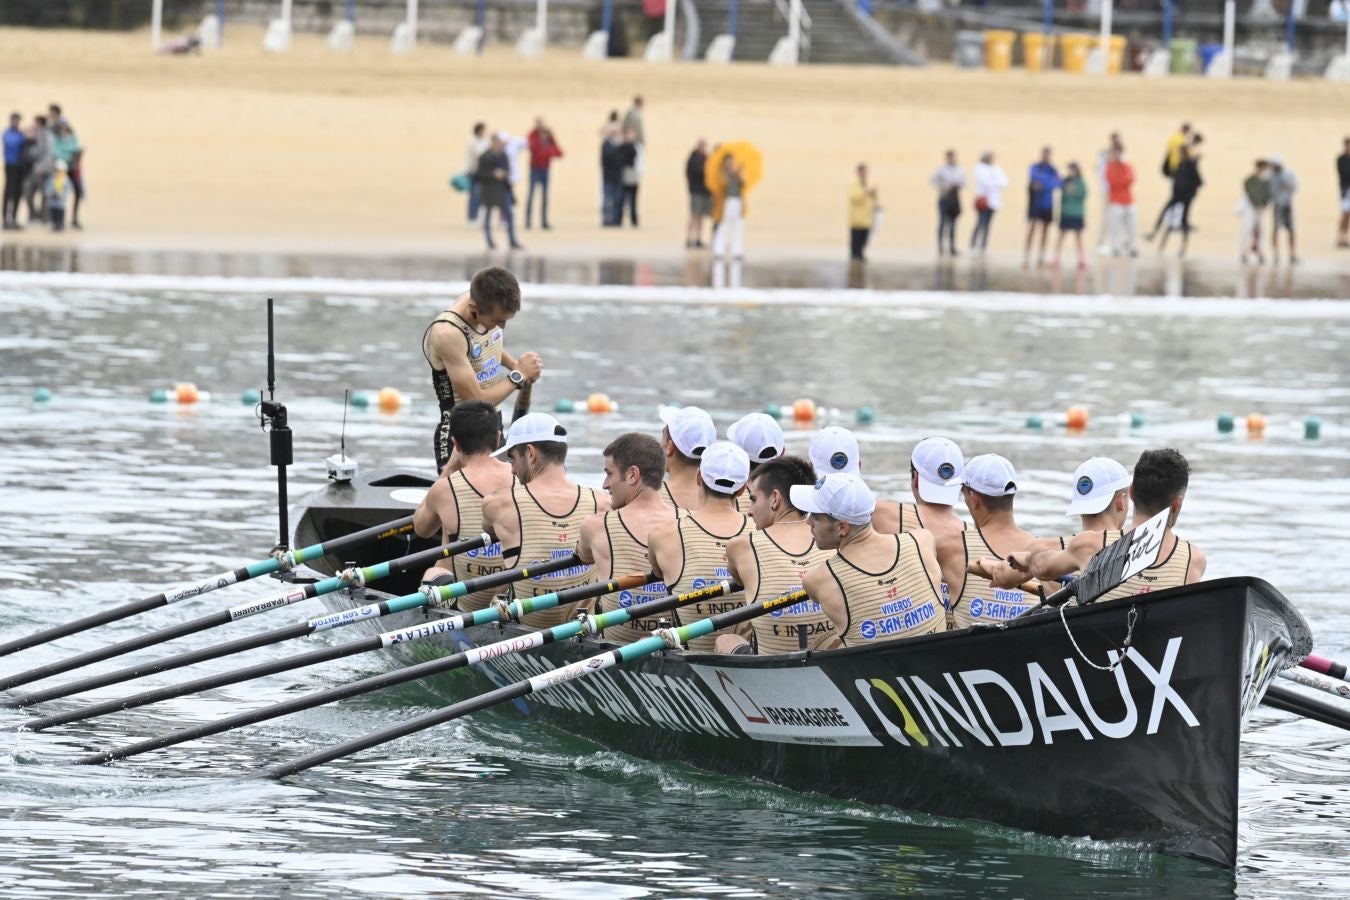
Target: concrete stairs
(835, 35)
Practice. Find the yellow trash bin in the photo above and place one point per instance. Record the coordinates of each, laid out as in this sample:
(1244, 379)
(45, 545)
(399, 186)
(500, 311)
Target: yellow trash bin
(1115, 58)
(1074, 50)
(998, 50)
(1038, 51)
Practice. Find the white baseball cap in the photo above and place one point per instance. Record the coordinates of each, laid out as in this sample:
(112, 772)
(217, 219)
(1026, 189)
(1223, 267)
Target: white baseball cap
(840, 496)
(724, 467)
(691, 429)
(534, 428)
(991, 475)
(834, 450)
(940, 466)
(1095, 482)
(759, 435)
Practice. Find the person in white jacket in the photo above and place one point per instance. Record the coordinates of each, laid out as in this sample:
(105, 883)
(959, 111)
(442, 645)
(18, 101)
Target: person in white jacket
(990, 181)
(477, 146)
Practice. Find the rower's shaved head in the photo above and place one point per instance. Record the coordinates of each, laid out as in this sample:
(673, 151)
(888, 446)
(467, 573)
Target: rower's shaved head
(1160, 477)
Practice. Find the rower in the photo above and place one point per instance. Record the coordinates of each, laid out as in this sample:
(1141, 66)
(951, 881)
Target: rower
(466, 355)
(454, 504)
(771, 560)
(1101, 498)
(878, 587)
(990, 484)
(687, 433)
(1160, 481)
(760, 436)
(834, 451)
(691, 552)
(615, 541)
(539, 518)
(935, 469)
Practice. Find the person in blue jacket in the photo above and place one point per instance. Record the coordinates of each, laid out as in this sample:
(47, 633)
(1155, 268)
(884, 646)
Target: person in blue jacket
(1042, 182)
(14, 141)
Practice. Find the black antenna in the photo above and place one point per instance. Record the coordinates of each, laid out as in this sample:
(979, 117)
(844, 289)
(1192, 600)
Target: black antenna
(342, 441)
(273, 414)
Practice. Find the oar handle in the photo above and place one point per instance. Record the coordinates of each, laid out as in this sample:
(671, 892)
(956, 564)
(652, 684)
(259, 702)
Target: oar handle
(1290, 700)
(1328, 667)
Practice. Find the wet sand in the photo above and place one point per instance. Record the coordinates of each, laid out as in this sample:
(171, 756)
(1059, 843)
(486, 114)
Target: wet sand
(240, 151)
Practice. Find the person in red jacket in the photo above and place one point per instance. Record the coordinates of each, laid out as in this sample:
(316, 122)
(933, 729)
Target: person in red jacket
(1120, 214)
(543, 150)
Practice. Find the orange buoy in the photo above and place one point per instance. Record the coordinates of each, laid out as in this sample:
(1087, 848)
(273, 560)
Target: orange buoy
(390, 400)
(599, 403)
(186, 392)
(803, 409)
(1256, 424)
(1076, 417)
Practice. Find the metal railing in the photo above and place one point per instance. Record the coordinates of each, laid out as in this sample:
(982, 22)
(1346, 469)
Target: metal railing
(803, 26)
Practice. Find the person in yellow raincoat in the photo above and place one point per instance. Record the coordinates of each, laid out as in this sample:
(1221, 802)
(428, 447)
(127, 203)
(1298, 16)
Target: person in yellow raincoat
(732, 170)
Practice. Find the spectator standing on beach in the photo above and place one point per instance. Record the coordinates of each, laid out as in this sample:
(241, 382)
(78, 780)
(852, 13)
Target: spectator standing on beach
(1186, 183)
(728, 232)
(477, 146)
(59, 191)
(1282, 187)
(1343, 177)
(948, 179)
(1104, 157)
(632, 121)
(66, 148)
(990, 181)
(1252, 206)
(1072, 209)
(700, 198)
(494, 177)
(13, 141)
(39, 161)
(543, 150)
(1122, 228)
(862, 214)
(630, 157)
(611, 176)
(1042, 182)
(1171, 160)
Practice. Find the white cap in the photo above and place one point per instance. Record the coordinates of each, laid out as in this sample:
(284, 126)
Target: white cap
(758, 435)
(534, 428)
(834, 450)
(690, 428)
(991, 475)
(841, 496)
(940, 466)
(724, 467)
(1095, 482)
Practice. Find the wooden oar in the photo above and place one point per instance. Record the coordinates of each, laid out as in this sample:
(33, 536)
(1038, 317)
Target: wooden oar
(276, 563)
(1333, 688)
(398, 604)
(355, 577)
(666, 638)
(1290, 700)
(485, 616)
(422, 670)
(1328, 667)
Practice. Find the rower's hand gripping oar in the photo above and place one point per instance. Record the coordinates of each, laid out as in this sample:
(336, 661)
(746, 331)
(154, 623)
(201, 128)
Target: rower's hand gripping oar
(429, 596)
(352, 577)
(279, 562)
(1136, 550)
(664, 639)
(435, 666)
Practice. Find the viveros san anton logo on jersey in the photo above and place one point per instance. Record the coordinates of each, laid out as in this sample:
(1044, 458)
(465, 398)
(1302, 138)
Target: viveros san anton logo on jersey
(976, 608)
(477, 351)
(868, 629)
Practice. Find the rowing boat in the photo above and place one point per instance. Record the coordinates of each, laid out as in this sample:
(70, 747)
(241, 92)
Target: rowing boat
(1028, 725)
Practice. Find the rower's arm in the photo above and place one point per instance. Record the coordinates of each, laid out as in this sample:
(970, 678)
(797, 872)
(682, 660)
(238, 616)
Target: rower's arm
(499, 519)
(663, 550)
(427, 520)
(592, 536)
(928, 554)
(1196, 570)
(450, 346)
(1049, 564)
(886, 517)
(951, 556)
(821, 587)
(739, 558)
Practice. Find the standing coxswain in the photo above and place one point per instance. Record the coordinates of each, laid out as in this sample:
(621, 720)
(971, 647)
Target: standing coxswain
(539, 519)
(616, 541)
(771, 561)
(687, 433)
(464, 347)
(454, 504)
(877, 587)
(691, 552)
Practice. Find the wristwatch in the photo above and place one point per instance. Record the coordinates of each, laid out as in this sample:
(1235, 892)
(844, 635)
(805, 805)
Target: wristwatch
(517, 379)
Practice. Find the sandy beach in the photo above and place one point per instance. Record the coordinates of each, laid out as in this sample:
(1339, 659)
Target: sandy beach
(310, 151)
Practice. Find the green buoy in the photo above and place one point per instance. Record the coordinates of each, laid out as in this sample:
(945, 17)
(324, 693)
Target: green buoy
(864, 415)
(159, 395)
(250, 397)
(1312, 428)
(1225, 423)
(1035, 422)
(773, 410)
(41, 395)
(360, 399)
(564, 406)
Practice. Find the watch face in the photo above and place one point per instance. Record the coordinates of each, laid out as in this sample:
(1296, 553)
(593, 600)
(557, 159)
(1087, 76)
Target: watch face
(516, 377)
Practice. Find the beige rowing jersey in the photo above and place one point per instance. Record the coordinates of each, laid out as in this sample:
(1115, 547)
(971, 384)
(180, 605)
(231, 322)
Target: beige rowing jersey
(899, 602)
(547, 536)
(1169, 573)
(669, 498)
(485, 357)
(980, 601)
(484, 561)
(911, 521)
(705, 563)
(629, 556)
(779, 572)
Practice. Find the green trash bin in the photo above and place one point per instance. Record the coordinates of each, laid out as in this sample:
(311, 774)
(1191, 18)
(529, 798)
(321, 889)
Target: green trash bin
(1184, 56)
